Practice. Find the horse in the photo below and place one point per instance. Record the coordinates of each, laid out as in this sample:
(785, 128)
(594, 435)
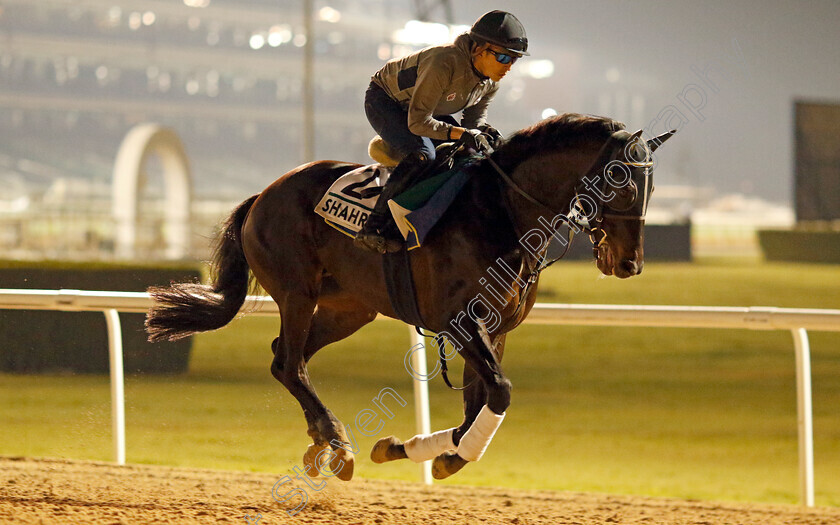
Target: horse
(562, 171)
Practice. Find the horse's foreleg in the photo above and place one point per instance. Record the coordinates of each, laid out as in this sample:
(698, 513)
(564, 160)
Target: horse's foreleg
(423, 447)
(475, 395)
(418, 449)
(484, 408)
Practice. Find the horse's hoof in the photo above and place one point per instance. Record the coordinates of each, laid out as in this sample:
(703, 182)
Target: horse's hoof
(342, 464)
(447, 464)
(310, 463)
(387, 449)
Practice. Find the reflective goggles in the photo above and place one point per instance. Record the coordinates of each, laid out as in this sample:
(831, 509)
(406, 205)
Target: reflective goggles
(503, 58)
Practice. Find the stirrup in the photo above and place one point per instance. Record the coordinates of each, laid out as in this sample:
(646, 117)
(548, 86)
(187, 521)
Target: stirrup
(378, 235)
(377, 243)
(370, 241)
(379, 240)
(370, 236)
(393, 238)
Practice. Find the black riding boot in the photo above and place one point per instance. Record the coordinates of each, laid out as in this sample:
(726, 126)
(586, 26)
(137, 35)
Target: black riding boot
(379, 234)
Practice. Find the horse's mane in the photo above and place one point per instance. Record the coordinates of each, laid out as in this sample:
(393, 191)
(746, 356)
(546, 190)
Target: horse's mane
(554, 133)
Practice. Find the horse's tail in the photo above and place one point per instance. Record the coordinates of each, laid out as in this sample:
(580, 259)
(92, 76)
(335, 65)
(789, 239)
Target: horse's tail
(187, 308)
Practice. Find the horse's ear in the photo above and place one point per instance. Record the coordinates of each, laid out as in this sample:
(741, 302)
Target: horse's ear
(657, 141)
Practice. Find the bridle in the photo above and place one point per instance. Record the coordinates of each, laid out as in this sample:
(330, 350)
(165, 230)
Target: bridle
(578, 220)
(637, 183)
(637, 173)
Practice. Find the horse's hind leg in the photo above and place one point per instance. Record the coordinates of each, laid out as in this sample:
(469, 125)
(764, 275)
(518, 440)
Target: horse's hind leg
(337, 317)
(328, 324)
(289, 367)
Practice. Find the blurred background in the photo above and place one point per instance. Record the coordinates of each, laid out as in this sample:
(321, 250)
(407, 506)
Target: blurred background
(254, 88)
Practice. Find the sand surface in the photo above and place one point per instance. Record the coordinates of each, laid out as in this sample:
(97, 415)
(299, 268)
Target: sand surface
(66, 491)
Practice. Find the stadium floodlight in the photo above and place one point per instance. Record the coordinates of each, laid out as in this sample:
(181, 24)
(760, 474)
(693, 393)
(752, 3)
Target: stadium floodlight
(257, 41)
(328, 14)
(149, 18)
(538, 68)
(279, 34)
(419, 33)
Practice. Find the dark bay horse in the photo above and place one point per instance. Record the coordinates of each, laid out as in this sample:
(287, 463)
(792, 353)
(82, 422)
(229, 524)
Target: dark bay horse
(498, 227)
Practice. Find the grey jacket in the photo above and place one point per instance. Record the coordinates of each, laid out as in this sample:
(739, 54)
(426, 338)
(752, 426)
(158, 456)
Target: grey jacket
(438, 80)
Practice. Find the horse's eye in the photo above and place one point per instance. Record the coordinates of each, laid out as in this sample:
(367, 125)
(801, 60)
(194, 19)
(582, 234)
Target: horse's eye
(624, 199)
(627, 193)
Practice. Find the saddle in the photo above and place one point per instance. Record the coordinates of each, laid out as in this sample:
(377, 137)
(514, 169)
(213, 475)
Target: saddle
(349, 200)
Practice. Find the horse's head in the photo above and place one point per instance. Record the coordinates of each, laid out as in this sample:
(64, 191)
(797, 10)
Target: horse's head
(614, 197)
(605, 197)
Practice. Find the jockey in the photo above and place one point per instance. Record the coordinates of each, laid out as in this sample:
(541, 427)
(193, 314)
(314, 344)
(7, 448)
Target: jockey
(410, 101)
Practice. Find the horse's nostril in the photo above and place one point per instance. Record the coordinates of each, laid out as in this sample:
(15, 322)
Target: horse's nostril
(630, 266)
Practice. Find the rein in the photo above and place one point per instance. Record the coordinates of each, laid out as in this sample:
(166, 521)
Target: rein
(535, 267)
(605, 156)
(532, 268)
(571, 218)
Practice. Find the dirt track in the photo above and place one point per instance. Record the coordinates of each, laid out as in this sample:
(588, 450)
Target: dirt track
(61, 491)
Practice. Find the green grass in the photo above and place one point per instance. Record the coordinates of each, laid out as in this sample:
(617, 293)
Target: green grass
(708, 414)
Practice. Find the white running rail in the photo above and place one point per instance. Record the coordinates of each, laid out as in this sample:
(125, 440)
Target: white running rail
(796, 320)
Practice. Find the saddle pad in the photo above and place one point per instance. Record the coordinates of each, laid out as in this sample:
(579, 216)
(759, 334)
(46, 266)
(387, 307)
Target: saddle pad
(346, 205)
(348, 202)
(417, 210)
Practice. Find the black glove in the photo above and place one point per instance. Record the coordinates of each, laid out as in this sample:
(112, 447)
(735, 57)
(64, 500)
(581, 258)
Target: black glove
(493, 133)
(476, 140)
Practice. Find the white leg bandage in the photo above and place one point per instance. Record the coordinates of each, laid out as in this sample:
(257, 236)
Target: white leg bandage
(424, 447)
(475, 441)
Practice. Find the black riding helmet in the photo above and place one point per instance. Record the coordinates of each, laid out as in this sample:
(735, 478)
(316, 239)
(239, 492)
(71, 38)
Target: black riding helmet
(503, 29)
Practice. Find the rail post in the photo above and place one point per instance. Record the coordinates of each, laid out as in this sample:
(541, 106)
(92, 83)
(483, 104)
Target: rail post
(804, 416)
(115, 358)
(421, 397)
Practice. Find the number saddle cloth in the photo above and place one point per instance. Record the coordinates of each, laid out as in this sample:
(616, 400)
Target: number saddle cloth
(348, 202)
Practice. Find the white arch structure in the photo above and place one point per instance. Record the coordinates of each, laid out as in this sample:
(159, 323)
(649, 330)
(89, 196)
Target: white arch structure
(138, 145)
